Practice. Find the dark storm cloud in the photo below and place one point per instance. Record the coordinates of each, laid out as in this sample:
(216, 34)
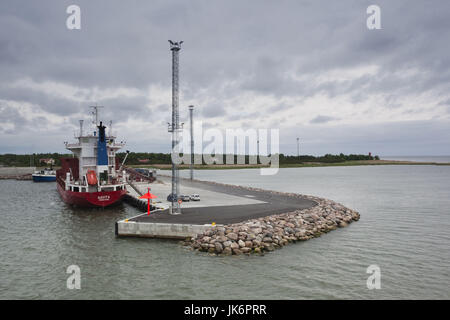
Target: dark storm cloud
(126, 45)
(322, 119)
(241, 115)
(11, 116)
(121, 108)
(212, 110)
(275, 48)
(280, 107)
(51, 104)
(267, 76)
(163, 107)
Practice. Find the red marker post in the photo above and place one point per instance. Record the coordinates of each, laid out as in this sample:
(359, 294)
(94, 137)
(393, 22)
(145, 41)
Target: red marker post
(148, 196)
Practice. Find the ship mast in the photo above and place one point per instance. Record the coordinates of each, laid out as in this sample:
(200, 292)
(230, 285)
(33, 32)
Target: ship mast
(95, 115)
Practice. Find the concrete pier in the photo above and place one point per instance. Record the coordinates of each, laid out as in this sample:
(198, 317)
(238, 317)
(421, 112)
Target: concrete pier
(220, 205)
(17, 173)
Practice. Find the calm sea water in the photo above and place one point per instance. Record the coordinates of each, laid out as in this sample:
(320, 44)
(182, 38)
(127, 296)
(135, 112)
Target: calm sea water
(404, 229)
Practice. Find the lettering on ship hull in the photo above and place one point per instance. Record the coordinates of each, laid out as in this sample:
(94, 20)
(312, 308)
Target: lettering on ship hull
(103, 198)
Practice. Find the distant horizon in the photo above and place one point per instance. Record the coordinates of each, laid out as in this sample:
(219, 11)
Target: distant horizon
(286, 154)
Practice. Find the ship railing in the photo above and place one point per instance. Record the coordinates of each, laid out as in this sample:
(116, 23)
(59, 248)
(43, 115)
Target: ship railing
(73, 145)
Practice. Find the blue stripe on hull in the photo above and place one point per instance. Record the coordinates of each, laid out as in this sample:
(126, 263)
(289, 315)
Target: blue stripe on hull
(44, 178)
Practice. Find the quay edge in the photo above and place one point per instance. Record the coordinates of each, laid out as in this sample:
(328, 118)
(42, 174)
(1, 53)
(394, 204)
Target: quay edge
(177, 231)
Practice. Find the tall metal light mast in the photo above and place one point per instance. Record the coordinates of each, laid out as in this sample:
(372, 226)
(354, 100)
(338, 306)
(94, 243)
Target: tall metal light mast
(191, 165)
(174, 128)
(298, 148)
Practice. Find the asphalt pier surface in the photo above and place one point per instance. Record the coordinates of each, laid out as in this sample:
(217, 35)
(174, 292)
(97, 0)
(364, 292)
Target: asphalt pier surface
(221, 204)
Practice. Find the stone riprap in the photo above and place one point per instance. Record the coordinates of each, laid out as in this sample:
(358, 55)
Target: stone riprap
(275, 231)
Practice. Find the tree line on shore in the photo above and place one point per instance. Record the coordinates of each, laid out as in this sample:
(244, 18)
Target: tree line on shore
(145, 158)
(30, 160)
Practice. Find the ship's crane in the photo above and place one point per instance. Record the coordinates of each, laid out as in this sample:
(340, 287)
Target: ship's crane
(124, 159)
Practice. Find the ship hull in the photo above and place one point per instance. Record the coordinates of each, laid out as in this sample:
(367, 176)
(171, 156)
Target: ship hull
(91, 199)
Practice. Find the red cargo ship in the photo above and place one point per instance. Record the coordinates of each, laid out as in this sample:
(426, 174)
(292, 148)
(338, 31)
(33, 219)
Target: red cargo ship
(92, 178)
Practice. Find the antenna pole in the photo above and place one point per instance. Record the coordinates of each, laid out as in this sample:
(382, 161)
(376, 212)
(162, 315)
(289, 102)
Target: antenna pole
(95, 114)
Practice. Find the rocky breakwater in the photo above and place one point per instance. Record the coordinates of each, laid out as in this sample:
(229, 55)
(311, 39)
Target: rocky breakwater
(275, 231)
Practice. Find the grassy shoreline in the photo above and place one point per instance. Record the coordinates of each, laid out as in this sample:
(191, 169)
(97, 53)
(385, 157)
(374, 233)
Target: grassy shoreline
(13, 171)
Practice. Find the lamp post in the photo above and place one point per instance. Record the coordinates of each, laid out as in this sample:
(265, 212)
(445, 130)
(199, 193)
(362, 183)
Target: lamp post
(191, 165)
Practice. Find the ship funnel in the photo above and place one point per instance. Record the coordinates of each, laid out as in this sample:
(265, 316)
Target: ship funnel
(102, 156)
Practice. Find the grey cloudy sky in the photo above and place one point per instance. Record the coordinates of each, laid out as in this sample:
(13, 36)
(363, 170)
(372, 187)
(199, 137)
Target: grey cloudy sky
(310, 68)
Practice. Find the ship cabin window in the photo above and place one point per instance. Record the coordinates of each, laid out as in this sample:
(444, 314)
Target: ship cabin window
(76, 189)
